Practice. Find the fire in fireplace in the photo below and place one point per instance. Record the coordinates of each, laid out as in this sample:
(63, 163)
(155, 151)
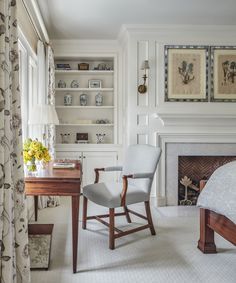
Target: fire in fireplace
(192, 169)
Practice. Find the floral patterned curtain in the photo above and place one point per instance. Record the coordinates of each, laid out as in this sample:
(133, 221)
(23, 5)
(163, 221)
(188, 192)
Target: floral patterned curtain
(51, 132)
(50, 201)
(50, 97)
(14, 257)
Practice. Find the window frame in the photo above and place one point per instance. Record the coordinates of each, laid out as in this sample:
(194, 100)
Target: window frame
(28, 79)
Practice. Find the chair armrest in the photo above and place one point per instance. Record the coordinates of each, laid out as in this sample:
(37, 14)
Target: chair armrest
(107, 169)
(140, 176)
(124, 189)
(113, 168)
(97, 174)
(125, 183)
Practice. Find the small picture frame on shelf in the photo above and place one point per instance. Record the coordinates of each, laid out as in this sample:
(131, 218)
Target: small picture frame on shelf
(82, 136)
(95, 84)
(63, 66)
(83, 66)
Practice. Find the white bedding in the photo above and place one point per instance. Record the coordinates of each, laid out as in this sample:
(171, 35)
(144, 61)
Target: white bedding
(219, 194)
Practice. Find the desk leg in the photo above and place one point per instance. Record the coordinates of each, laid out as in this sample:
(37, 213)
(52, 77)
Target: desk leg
(36, 208)
(75, 225)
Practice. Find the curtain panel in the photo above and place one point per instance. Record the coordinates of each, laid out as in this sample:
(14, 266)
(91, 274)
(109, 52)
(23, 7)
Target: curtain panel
(14, 256)
(50, 80)
(46, 93)
(51, 132)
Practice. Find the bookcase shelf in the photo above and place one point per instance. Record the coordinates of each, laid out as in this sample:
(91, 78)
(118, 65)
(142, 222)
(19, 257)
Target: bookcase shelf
(68, 115)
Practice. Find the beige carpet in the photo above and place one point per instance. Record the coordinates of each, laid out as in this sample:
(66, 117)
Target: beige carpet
(170, 256)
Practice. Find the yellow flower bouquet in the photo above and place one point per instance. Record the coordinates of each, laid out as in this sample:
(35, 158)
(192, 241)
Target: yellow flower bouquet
(34, 150)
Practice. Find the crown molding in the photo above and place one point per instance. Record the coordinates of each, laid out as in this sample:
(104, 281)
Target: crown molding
(85, 42)
(153, 28)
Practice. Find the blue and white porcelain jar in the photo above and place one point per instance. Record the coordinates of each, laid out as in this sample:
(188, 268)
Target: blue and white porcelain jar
(61, 84)
(99, 99)
(83, 99)
(68, 99)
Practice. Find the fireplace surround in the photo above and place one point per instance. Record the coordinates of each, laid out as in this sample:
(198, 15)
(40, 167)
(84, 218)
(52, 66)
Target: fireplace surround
(178, 144)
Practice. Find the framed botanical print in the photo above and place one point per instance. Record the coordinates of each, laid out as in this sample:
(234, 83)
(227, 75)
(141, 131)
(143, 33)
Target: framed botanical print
(223, 73)
(186, 73)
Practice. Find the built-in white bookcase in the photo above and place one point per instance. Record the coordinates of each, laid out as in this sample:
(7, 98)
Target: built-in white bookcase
(83, 119)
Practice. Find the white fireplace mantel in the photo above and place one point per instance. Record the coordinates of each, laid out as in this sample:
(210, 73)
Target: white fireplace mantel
(193, 119)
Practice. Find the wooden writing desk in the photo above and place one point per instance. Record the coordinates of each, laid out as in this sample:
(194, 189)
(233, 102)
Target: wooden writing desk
(59, 182)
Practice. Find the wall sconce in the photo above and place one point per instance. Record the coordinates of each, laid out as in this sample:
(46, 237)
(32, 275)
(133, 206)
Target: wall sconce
(143, 88)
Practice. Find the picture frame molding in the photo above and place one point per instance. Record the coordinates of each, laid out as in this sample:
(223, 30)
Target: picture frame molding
(212, 70)
(206, 71)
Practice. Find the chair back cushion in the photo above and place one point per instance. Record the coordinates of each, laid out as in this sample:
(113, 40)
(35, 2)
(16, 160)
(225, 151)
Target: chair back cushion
(141, 159)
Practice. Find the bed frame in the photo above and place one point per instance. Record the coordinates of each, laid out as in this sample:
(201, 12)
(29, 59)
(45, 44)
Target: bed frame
(211, 222)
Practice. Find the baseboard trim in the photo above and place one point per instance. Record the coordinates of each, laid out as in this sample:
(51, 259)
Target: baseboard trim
(161, 201)
(153, 201)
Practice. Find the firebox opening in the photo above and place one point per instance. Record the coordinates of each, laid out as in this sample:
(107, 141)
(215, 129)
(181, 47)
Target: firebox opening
(192, 169)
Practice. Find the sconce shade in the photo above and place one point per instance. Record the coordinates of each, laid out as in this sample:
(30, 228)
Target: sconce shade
(145, 65)
(43, 114)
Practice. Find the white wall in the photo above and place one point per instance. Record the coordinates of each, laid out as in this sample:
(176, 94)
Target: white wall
(137, 112)
(147, 43)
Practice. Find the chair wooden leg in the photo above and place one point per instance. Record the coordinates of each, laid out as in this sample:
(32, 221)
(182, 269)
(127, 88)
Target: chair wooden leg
(127, 214)
(149, 217)
(111, 228)
(85, 205)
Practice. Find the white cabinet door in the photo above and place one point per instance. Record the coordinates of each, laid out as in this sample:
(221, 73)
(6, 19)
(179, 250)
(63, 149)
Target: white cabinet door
(93, 160)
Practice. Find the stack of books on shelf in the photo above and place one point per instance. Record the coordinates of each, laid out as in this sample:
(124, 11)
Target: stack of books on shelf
(62, 66)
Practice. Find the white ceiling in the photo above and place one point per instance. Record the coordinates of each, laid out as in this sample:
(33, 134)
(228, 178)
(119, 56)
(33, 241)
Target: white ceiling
(102, 19)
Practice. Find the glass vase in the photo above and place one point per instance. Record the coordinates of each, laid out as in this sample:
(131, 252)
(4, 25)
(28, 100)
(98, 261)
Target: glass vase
(31, 168)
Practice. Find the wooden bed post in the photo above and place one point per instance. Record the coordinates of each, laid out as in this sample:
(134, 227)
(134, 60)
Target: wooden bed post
(206, 242)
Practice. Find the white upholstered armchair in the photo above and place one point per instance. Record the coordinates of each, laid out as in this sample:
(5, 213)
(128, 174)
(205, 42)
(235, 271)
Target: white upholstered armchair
(134, 186)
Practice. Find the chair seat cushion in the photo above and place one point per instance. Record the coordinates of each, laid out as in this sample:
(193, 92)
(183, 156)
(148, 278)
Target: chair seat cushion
(108, 194)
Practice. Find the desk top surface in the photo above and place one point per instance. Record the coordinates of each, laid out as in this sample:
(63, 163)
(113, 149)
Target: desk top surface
(56, 174)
